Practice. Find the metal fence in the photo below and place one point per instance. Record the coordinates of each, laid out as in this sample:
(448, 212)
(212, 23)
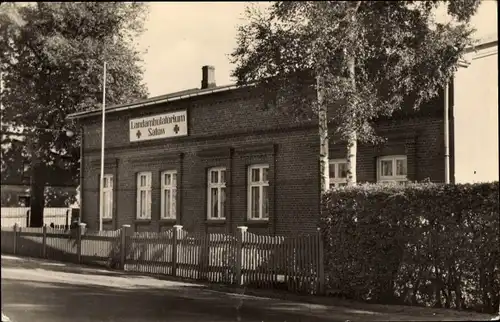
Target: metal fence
(244, 259)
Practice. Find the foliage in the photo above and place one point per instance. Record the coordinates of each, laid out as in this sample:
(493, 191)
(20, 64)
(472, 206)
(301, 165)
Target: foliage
(423, 244)
(402, 55)
(59, 196)
(12, 149)
(52, 58)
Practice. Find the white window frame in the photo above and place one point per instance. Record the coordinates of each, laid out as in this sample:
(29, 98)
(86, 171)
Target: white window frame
(172, 187)
(395, 179)
(337, 182)
(107, 193)
(146, 214)
(219, 186)
(260, 184)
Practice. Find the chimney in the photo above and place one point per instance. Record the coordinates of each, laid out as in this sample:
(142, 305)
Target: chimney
(208, 77)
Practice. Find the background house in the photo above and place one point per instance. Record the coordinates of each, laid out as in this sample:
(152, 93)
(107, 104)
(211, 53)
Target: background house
(15, 177)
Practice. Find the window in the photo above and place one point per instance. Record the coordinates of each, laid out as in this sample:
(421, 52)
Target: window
(338, 173)
(168, 194)
(216, 193)
(392, 169)
(23, 201)
(26, 171)
(258, 192)
(108, 197)
(144, 195)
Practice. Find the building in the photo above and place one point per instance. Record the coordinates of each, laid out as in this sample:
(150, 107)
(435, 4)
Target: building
(16, 175)
(209, 159)
(474, 115)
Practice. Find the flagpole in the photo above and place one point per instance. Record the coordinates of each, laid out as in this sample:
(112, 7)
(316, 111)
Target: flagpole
(101, 210)
(1, 99)
(1, 110)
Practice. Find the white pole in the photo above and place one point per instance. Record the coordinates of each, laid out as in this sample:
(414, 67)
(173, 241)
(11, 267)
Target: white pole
(1, 99)
(1, 110)
(101, 212)
(446, 134)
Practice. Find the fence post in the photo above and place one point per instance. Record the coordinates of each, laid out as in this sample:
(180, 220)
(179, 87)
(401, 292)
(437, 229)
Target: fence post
(28, 217)
(44, 242)
(321, 264)
(176, 233)
(15, 239)
(239, 254)
(123, 248)
(66, 223)
(79, 233)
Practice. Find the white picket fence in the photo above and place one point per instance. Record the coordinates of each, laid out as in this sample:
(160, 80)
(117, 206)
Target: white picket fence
(20, 216)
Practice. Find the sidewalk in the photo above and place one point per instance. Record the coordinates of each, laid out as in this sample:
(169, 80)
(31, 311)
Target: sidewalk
(323, 305)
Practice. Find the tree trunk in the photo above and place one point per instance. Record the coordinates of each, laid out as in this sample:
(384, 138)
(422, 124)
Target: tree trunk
(324, 171)
(352, 142)
(37, 194)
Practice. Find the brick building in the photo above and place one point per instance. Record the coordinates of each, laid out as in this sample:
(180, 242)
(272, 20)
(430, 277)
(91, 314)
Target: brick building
(211, 160)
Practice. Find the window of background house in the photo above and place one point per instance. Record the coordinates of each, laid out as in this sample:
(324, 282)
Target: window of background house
(258, 192)
(26, 171)
(144, 195)
(168, 194)
(23, 201)
(108, 196)
(338, 173)
(392, 169)
(216, 191)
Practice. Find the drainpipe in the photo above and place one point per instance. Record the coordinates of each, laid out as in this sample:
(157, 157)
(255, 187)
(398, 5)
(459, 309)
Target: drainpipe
(446, 133)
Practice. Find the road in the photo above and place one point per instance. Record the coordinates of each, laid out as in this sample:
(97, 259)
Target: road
(46, 291)
(43, 291)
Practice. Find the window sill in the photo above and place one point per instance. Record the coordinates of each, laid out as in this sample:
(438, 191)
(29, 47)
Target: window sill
(215, 221)
(107, 220)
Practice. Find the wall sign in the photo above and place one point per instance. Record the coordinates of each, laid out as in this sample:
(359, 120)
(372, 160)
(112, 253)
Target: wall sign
(158, 126)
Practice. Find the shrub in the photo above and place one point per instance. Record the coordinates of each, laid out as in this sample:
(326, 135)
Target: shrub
(420, 244)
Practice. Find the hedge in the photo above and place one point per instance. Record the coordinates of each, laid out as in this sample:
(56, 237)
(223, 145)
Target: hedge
(422, 244)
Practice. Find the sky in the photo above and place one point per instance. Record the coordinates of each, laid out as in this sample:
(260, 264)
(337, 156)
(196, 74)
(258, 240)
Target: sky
(181, 37)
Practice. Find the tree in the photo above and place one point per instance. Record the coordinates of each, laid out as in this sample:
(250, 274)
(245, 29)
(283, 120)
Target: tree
(365, 59)
(52, 57)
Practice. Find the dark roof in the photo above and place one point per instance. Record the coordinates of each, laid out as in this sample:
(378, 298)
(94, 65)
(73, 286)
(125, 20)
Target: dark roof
(176, 96)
